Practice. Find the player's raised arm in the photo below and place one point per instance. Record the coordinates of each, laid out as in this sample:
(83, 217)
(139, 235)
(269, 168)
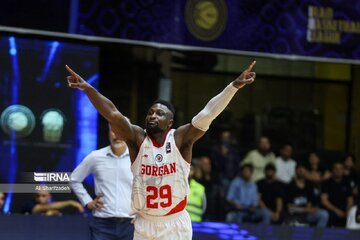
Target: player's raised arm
(201, 122)
(120, 124)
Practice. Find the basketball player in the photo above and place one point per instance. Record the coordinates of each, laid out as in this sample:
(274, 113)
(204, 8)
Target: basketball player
(161, 157)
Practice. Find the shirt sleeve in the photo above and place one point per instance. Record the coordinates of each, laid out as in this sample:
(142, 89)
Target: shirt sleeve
(255, 196)
(231, 196)
(325, 187)
(78, 176)
(248, 158)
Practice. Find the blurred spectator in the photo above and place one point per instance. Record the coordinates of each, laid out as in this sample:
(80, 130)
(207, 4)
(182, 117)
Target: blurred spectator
(353, 218)
(259, 158)
(2, 199)
(196, 204)
(285, 165)
(336, 196)
(225, 157)
(316, 174)
(42, 204)
(350, 173)
(299, 198)
(271, 194)
(205, 176)
(243, 198)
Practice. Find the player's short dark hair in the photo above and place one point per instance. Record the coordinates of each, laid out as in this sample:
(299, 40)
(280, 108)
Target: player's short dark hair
(167, 104)
(270, 166)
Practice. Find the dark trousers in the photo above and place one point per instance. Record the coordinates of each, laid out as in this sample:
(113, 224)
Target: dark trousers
(111, 229)
(335, 221)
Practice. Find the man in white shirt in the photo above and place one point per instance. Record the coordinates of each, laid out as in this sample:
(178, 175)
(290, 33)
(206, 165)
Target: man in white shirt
(111, 208)
(285, 165)
(259, 158)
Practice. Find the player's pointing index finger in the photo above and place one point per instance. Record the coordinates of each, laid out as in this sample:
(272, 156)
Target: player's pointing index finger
(251, 66)
(70, 70)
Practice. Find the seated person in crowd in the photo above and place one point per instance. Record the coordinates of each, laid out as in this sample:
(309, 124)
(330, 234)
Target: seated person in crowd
(336, 196)
(208, 178)
(2, 200)
(244, 201)
(259, 158)
(299, 197)
(350, 173)
(316, 174)
(271, 194)
(225, 157)
(315, 171)
(42, 204)
(353, 218)
(285, 165)
(196, 202)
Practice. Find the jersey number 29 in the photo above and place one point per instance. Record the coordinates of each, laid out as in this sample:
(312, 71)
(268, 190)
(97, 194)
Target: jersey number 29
(163, 193)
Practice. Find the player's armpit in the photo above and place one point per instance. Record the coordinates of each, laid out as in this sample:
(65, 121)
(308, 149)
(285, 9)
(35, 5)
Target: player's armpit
(187, 134)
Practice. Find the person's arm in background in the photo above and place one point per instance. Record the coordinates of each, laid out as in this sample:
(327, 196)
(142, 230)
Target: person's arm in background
(349, 203)
(313, 176)
(43, 208)
(231, 196)
(261, 202)
(329, 206)
(76, 182)
(77, 177)
(279, 208)
(327, 175)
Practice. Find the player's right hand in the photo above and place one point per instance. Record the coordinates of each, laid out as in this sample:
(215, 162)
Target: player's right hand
(75, 81)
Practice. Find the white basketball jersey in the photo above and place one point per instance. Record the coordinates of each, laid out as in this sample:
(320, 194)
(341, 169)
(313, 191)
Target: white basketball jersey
(160, 185)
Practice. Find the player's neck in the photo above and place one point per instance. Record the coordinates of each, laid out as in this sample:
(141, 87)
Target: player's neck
(158, 138)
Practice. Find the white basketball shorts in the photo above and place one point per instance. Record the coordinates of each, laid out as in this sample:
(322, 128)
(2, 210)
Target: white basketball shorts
(176, 226)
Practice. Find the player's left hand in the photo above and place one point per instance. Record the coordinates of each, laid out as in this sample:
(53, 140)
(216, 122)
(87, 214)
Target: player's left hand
(75, 81)
(246, 77)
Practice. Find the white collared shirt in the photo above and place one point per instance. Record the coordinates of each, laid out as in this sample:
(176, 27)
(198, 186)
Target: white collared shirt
(113, 179)
(285, 169)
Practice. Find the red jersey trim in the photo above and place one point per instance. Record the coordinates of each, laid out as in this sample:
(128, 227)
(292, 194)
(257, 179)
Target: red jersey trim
(179, 207)
(155, 144)
(137, 156)
(177, 149)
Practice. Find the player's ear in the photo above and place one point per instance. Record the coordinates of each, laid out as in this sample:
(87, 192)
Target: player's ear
(171, 122)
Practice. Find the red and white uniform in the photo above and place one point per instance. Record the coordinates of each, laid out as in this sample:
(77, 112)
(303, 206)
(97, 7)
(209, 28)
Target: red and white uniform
(160, 189)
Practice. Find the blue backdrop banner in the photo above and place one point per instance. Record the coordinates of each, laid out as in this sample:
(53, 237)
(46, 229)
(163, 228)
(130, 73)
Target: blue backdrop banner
(303, 28)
